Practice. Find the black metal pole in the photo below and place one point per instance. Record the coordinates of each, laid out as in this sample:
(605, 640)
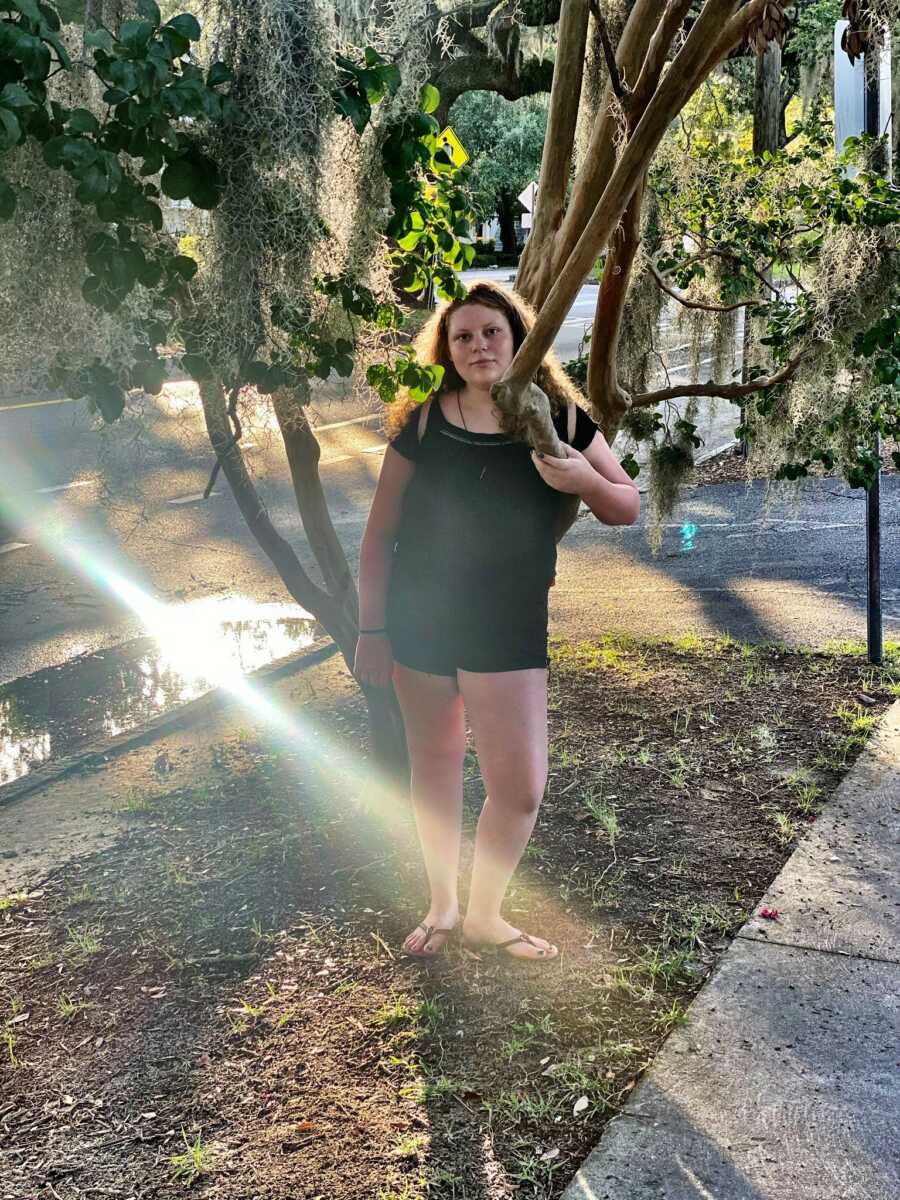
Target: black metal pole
(873, 493)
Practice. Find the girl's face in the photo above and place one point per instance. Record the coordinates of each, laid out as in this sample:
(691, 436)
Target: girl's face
(481, 344)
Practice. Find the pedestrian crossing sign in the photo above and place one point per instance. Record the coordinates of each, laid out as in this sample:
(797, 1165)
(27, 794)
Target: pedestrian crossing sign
(459, 156)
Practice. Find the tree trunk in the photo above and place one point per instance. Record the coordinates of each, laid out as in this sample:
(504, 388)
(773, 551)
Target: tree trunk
(767, 136)
(767, 107)
(507, 218)
(606, 396)
(389, 750)
(303, 455)
(336, 611)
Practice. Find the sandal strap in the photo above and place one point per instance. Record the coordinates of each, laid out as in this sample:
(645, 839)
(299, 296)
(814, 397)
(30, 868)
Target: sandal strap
(520, 937)
(431, 930)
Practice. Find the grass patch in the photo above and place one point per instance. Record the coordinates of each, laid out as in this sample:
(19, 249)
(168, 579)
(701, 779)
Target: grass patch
(250, 943)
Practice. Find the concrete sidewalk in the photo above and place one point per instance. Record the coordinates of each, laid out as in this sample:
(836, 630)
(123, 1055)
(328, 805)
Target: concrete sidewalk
(784, 1084)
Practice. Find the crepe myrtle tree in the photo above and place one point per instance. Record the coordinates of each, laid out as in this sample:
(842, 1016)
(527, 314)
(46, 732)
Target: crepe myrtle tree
(607, 206)
(159, 126)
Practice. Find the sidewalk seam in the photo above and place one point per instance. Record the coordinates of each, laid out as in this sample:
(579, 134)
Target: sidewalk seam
(760, 941)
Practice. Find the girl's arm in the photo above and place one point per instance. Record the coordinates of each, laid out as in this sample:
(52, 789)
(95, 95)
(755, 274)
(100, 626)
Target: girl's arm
(373, 664)
(378, 539)
(597, 477)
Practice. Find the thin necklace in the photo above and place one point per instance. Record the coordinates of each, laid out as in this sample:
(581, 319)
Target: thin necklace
(461, 417)
(465, 426)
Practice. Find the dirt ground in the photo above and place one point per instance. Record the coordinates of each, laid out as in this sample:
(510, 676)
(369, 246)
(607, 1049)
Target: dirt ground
(730, 467)
(209, 994)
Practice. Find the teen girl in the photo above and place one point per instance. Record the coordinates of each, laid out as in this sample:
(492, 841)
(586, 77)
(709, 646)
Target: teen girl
(457, 559)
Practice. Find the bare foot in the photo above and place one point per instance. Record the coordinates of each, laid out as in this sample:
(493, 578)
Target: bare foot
(495, 930)
(420, 943)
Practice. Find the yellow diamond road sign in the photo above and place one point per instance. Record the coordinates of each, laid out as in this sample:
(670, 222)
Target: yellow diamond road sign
(454, 147)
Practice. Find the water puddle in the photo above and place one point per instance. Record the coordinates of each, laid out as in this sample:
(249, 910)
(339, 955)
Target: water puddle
(196, 647)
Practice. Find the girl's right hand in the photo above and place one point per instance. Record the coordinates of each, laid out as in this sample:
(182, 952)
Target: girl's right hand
(374, 662)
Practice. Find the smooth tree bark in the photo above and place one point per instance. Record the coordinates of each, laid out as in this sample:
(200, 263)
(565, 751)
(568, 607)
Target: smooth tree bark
(663, 56)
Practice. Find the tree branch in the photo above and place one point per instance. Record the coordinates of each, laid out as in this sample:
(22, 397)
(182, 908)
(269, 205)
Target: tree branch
(562, 117)
(690, 68)
(714, 252)
(480, 72)
(474, 16)
(682, 297)
(609, 53)
(725, 391)
(658, 50)
(544, 257)
(279, 551)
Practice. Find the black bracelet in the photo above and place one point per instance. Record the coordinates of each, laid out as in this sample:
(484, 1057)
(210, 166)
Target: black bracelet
(373, 631)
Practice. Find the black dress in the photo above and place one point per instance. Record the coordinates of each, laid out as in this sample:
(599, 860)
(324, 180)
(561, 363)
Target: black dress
(475, 552)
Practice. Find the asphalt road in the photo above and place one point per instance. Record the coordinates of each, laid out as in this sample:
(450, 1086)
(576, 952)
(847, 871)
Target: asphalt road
(98, 506)
(789, 566)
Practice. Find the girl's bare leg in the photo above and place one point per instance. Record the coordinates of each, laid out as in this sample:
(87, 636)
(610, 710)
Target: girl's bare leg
(434, 718)
(508, 714)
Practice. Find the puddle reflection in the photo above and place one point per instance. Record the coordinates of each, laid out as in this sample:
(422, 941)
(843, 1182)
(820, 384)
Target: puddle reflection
(53, 713)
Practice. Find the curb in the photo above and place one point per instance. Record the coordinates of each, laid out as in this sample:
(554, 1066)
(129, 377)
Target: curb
(97, 753)
(716, 450)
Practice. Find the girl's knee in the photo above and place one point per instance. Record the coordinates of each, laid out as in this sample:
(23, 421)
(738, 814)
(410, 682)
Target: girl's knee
(438, 754)
(523, 802)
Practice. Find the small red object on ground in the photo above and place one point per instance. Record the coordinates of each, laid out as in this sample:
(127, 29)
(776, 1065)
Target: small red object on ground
(771, 914)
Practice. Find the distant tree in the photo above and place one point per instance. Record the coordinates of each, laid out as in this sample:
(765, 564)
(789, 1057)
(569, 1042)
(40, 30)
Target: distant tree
(505, 140)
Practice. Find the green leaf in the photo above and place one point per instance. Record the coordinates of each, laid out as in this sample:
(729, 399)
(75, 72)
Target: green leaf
(148, 9)
(206, 191)
(50, 16)
(153, 162)
(123, 75)
(219, 72)
(175, 45)
(34, 56)
(355, 106)
(178, 179)
(28, 8)
(7, 200)
(82, 121)
(196, 366)
(185, 26)
(183, 265)
(78, 153)
(630, 466)
(93, 184)
(61, 52)
(15, 96)
(110, 399)
(149, 375)
(135, 35)
(10, 129)
(71, 12)
(429, 98)
(100, 39)
(150, 275)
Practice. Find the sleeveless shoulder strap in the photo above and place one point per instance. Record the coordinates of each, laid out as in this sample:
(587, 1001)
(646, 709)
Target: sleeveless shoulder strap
(571, 420)
(423, 418)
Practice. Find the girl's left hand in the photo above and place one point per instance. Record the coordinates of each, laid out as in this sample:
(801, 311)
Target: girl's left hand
(572, 474)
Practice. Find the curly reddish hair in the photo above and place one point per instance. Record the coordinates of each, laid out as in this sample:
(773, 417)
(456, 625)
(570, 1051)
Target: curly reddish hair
(433, 347)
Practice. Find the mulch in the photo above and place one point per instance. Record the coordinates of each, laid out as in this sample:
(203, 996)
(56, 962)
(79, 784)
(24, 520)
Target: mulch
(217, 1002)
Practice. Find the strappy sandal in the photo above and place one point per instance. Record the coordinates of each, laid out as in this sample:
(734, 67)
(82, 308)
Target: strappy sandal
(497, 947)
(430, 931)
